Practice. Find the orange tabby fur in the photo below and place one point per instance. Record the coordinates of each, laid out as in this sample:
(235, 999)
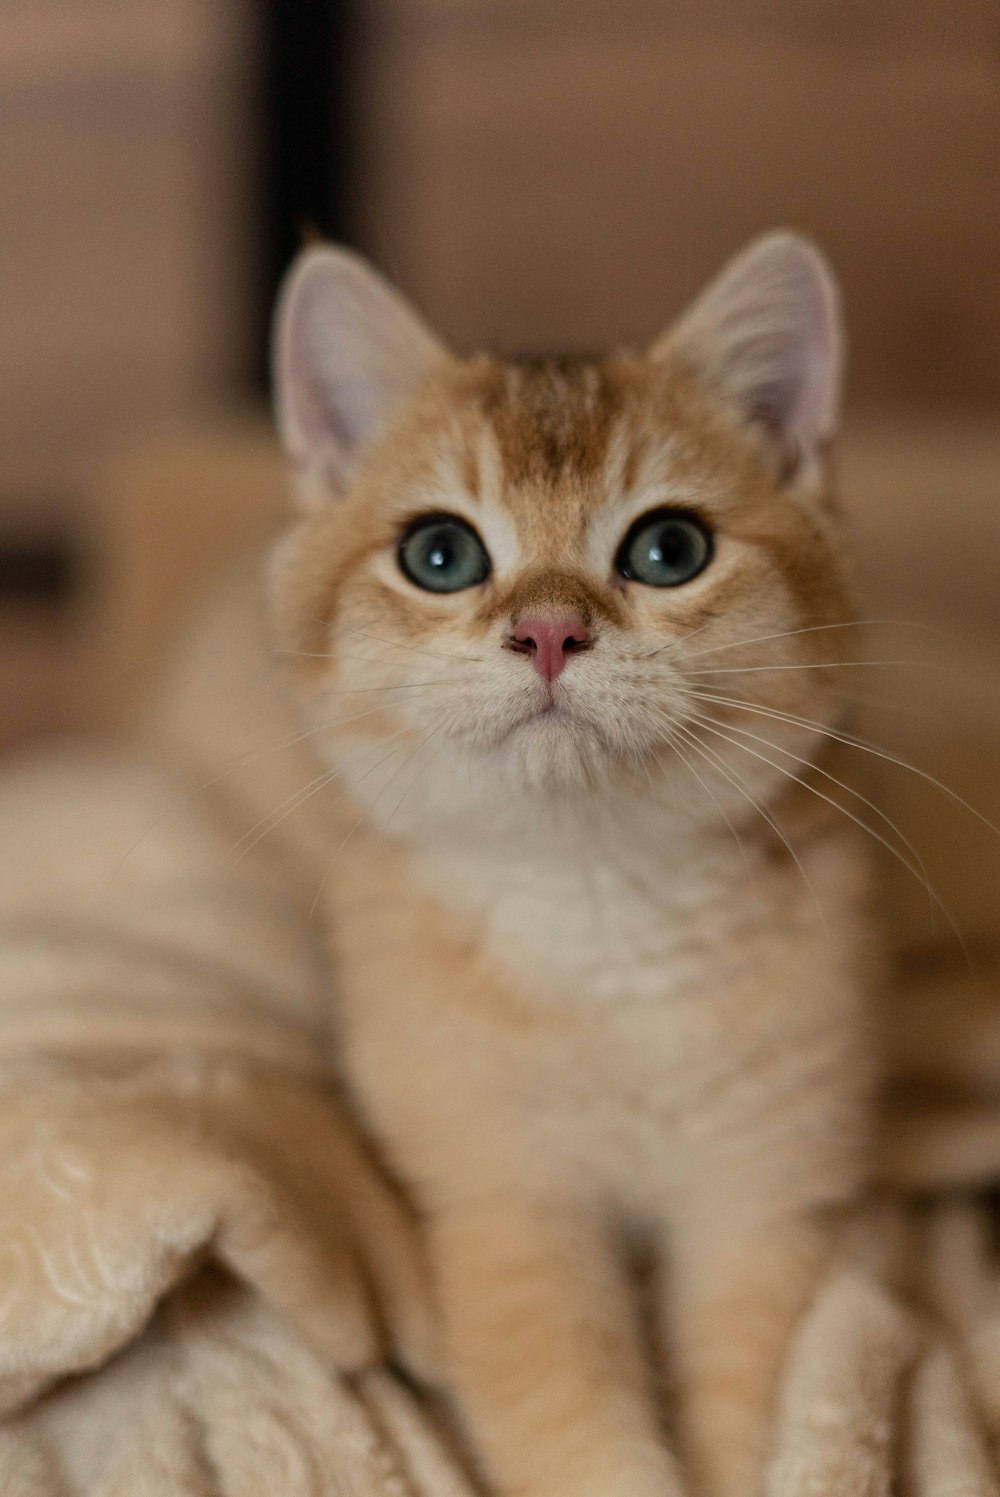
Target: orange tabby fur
(599, 970)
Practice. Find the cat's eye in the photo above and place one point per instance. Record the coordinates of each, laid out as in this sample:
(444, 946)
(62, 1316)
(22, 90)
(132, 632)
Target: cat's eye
(665, 549)
(443, 554)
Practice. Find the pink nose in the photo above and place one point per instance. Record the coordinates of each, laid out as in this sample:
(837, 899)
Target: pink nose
(549, 641)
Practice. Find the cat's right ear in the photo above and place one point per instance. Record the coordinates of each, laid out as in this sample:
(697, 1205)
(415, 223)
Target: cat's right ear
(347, 349)
(766, 337)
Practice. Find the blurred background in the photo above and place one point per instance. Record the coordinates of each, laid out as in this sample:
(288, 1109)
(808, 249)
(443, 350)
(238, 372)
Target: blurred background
(535, 174)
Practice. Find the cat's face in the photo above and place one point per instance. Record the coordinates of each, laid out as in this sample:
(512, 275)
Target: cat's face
(565, 575)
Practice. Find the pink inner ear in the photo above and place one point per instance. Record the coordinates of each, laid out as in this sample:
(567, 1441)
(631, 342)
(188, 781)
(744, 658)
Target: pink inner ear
(781, 438)
(790, 376)
(767, 333)
(315, 407)
(309, 424)
(348, 349)
(819, 375)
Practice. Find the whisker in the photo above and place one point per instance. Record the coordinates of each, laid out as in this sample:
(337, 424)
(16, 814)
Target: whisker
(357, 690)
(278, 652)
(173, 653)
(852, 741)
(891, 847)
(399, 644)
(361, 819)
(809, 764)
(807, 665)
(299, 798)
(238, 852)
(645, 764)
(675, 745)
(364, 815)
(265, 653)
(420, 772)
(404, 686)
(400, 767)
(735, 780)
(758, 639)
(681, 640)
(177, 805)
(329, 867)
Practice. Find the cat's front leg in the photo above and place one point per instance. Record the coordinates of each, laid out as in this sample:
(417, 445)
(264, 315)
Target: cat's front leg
(545, 1354)
(735, 1297)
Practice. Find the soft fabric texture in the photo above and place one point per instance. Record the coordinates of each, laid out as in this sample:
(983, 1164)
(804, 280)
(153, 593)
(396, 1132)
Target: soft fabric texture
(204, 1272)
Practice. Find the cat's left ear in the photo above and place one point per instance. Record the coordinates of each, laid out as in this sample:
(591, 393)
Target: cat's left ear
(766, 336)
(348, 350)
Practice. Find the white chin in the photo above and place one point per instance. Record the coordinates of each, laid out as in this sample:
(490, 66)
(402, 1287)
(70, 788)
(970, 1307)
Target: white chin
(554, 750)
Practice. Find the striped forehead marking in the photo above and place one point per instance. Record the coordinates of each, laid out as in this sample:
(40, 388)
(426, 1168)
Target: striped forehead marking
(552, 419)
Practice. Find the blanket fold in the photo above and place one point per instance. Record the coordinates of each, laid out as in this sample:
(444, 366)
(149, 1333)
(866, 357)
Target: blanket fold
(112, 1192)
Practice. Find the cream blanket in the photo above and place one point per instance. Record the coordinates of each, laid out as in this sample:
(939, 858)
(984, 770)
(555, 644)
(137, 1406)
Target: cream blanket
(204, 1278)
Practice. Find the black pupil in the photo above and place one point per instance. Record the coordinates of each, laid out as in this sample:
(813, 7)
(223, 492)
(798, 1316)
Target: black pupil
(442, 552)
(671, 546)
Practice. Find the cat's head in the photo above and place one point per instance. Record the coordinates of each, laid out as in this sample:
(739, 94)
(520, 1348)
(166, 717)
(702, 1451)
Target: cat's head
(563, 573)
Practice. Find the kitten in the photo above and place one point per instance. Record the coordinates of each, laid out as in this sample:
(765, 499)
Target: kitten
(599, 948)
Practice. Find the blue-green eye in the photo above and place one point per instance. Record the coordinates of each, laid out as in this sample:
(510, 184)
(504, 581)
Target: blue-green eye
(443, 554)
(664, 549)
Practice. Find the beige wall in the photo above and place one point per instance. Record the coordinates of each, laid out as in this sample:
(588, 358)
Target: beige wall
(565, 172)
(123, 288)
(122, 197)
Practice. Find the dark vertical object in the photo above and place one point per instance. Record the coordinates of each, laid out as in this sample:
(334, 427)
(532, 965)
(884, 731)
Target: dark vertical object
(309, 53)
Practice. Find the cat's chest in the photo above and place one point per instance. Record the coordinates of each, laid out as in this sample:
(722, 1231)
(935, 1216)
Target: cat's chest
(610, 1011)
(605, 924)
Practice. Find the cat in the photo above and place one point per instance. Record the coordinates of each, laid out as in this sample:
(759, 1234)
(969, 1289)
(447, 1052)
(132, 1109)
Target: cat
(563, 631)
